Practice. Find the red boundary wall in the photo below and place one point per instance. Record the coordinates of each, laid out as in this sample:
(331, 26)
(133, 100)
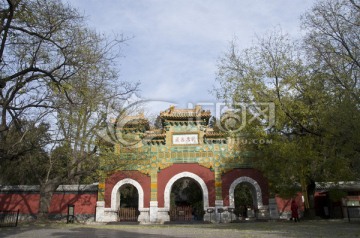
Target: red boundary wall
(284, 205)
(27, 202)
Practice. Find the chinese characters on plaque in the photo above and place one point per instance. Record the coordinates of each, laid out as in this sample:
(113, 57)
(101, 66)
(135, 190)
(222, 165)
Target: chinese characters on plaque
(185, 139)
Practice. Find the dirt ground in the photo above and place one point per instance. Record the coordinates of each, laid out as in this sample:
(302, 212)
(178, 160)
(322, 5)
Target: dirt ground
(317, 228)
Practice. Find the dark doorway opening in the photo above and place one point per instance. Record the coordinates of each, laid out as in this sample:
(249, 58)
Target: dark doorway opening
(244, 203)
(186, 201)
(129, 203)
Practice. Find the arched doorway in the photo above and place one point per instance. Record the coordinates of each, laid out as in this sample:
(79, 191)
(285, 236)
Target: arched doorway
(195, 181)
(186, 200)
(243, 199)
(245, 196)
(129, 205)
(127, 198)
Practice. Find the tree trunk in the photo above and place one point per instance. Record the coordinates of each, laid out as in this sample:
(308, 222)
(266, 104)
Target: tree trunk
(308, 190)
(46, 192)
(305, 193)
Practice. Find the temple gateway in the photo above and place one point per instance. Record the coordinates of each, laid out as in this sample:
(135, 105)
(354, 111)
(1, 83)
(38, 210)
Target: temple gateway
(160, 165)
(182, 171)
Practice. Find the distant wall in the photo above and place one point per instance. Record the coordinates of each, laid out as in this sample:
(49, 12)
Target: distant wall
(26, 200)
(284, 206)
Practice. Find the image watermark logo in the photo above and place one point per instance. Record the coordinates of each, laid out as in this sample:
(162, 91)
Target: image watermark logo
(235, 117)
(135, 122)
(249, 141)
(130, 123)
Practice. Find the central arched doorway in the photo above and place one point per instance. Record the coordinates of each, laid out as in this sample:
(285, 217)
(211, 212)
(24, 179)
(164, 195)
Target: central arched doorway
(194, 181)
(186, 200)
(129, 205)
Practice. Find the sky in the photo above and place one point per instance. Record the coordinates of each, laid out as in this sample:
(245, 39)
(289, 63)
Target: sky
(175, 45)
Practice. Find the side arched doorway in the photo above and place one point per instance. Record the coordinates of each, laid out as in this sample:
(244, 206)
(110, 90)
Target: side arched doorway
(129, 205)
(243, 200)
(246, 197)
(127, 198)
(186, 197)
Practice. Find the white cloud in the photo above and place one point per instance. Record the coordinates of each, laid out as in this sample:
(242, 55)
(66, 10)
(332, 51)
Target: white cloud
(177, 42)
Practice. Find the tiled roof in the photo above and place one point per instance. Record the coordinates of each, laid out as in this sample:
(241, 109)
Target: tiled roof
(346, 185)
(61, 188)
(154, 134)
(214, 134)
(176, 114)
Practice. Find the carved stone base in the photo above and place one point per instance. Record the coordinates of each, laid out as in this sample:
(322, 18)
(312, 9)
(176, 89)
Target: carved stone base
(144, 216)
(104, 214)
(210, 215)
(153, 212)
(163, 215)
(263, 213)
(273, 209)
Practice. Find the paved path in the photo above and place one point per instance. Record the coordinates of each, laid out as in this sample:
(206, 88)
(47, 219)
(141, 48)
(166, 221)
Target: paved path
(254, 229)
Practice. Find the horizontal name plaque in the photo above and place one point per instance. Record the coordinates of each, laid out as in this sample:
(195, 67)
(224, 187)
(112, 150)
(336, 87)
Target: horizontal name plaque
(185, 139)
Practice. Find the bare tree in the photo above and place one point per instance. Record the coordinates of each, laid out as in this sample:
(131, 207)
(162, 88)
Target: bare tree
(55, 72)
(333, 42)
(39, 52)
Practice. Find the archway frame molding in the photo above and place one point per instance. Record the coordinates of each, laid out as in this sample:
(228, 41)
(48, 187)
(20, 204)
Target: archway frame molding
(178, 176)
(115, 193)
(256, 190)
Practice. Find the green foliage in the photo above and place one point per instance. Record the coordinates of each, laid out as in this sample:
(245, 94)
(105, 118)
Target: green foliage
(313, 85)
(187, 192)
(213, 123)
(54, 71)
(29, 165)
(243, 197)
(336, 195)
(129, 196)
(158, 124)
(193, 192)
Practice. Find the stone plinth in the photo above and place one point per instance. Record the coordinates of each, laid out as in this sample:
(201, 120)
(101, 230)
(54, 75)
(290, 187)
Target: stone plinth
(153, 212)
(210, 215)
(273, 209)
(144, 216)
(105, 214)
(163, 215)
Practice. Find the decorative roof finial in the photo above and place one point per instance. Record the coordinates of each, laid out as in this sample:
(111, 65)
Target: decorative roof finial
(172, 107)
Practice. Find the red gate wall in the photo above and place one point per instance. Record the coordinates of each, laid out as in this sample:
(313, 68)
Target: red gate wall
(166, 174)
(142, 179)
(229, 177)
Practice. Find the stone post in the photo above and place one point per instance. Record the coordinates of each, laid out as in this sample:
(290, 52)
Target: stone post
(210, 215)
(273, 209)
(153, 211)
(100, 205)
(219, 204)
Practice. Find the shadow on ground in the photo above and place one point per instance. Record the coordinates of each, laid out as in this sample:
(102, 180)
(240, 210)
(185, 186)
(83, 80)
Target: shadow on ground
(271, 229)
(39, 232)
